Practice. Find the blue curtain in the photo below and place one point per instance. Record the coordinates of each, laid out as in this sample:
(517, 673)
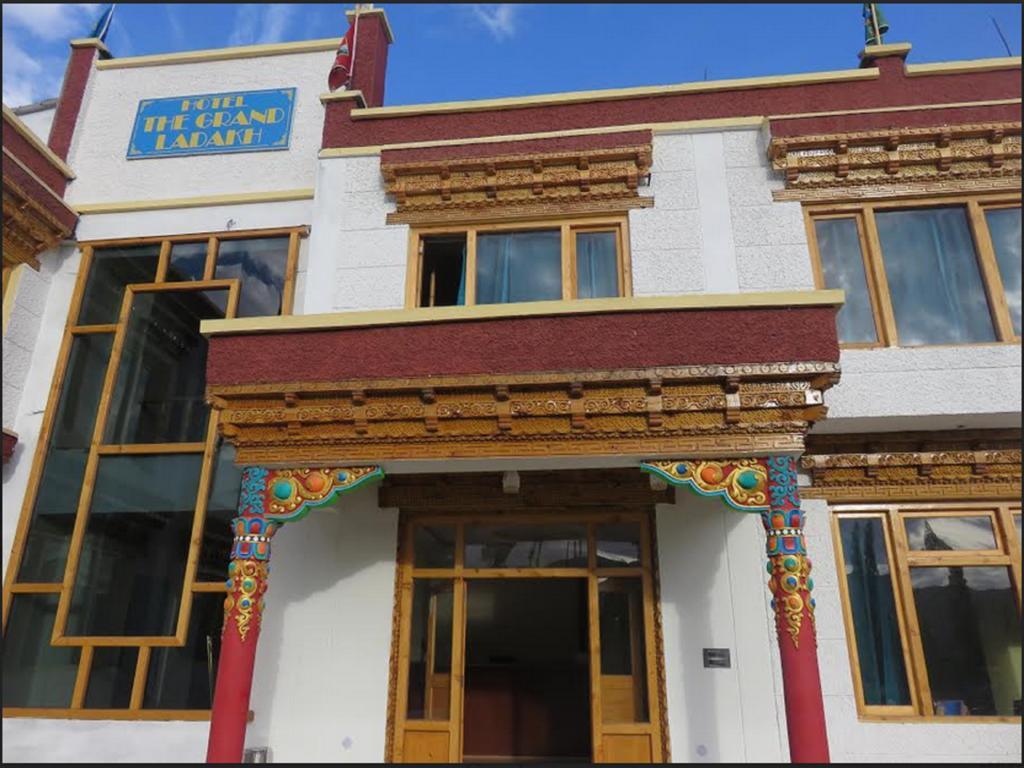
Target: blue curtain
(518, 266)
(869, 583)
(597, 273)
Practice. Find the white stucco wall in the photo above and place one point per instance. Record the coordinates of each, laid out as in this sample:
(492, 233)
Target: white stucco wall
(321, 682)
(926, 388)
(33, 740)
(100, 144)
(851, 740)
(356, 260)
(39, 122)
(29, 303)
(714, 595)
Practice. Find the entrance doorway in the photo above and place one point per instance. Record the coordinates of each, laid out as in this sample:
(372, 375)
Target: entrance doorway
(526, 637)
(527, 681)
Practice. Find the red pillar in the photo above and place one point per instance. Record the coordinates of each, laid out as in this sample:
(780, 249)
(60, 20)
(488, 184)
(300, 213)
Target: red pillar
(791, 586)
(243, 608)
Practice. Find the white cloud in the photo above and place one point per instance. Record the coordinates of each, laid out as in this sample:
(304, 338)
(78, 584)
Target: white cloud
(28, 79)
(177, 28)
(501, 20)
(261, 23)
(53, 21)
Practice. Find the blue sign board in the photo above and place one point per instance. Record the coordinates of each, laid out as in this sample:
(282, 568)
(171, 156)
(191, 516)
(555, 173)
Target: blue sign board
(213, 123)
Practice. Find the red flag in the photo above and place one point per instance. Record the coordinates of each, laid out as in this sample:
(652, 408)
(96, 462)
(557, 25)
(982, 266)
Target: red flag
(342, 69)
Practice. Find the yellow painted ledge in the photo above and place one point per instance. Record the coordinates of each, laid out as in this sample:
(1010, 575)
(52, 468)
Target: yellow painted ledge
(524, 309)
(126, 206)
(955, 67)
(221, 54)
(26, 133)
(477, 105)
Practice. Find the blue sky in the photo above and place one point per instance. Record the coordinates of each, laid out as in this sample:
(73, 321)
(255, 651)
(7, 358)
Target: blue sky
(467, 51)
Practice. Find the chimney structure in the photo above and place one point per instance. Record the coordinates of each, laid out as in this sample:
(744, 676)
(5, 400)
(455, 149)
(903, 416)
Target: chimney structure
(84, 53)
(370, 61)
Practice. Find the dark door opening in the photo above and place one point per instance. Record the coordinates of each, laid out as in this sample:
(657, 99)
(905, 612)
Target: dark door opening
(527, 679)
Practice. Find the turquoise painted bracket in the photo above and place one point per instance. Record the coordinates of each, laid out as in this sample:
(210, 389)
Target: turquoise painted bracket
(670, 472)
(341, 485)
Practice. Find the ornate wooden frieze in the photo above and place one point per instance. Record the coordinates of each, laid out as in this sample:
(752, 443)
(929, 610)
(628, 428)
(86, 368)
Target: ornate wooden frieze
(914, 466)
(515, 185)
(29, 228)
(899, 162)
(700, 410)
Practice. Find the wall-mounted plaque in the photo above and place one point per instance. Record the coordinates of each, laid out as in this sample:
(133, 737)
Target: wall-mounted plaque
(213, 123)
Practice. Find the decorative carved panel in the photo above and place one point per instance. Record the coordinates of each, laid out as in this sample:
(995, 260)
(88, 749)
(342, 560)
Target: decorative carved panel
(695, 411)
(914, 466)
(899, 162)
(512, 186)
(29, 229)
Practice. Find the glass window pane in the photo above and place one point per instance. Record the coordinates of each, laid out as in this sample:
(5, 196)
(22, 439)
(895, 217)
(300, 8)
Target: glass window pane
(970, 631)
(526, 546)
(518, 266)
(618, 545)
(188, 260)
(869, 584)
(183, 678)
(221, 509)
(112, 269)
(430, 650)
(936, 288)
(1004, 228)
(623, 654)
(940, 533)
(1016, 523)
(111, 677)
(132, 567)
(597, 265)
(260, 265)
(842, 266)
(434, 546)
(53, 516)
(158, 394)
(36, 674)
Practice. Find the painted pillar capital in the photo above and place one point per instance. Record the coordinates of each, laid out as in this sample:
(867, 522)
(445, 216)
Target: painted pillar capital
(269, 498)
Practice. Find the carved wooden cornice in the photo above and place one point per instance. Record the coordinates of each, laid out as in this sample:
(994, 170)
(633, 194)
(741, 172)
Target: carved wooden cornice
(914, 466)
(29, 229)
(512, 186)
(697, 411)
(899, 162)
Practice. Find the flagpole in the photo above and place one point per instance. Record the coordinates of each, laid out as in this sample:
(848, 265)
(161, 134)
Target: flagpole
(355, 42)
(874, 24)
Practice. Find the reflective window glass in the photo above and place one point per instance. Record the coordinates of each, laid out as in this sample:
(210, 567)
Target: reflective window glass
(183, 678)
(842, 266)
(869, 586)
(111, 676)
(434, 546)
(430, 650)
(260, 265)
(939, 533)
(132, 566)
(618, 545)
(970, 631)
(53, 516)
(1004, 228)
(187, 262)
(111, 270)
(937, 293)
(518, 266)
(221, 509)
(159, 392)
(526, 546)
(36, 674)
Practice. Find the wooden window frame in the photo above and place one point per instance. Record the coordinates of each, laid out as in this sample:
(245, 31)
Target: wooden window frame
(97, 448)
(407, 571)
(901, 560)
(568, 228)
(863, 213)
